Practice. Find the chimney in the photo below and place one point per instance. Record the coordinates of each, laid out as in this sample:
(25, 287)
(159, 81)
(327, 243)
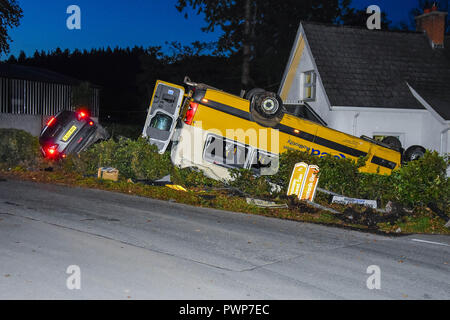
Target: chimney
(432, 22)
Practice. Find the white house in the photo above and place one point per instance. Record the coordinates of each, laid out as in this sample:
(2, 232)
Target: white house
(373, 82)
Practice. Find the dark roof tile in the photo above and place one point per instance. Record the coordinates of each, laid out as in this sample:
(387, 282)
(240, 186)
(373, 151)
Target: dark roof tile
(371, 68)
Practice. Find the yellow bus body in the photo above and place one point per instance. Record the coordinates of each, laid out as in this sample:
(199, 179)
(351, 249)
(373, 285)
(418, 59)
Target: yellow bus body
(218, 110)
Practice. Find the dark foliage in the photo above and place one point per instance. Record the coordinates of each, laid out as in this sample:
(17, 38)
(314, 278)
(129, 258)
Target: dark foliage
(10, 14)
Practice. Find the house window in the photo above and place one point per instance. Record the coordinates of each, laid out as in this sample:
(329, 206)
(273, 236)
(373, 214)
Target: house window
(309, 86)
(380, 137)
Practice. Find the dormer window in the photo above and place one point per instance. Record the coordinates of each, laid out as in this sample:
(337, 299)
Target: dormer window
(309, 86)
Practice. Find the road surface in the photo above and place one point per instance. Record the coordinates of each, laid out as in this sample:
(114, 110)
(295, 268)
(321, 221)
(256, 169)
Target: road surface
(129, 247)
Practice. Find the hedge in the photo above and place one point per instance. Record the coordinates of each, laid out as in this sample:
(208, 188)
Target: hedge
(18, 148)
(418, 183)
(135, 159)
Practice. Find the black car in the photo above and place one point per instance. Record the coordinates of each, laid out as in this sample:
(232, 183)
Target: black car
(69, 132)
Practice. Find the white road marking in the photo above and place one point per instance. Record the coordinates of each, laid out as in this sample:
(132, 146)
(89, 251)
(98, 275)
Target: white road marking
(431, 242)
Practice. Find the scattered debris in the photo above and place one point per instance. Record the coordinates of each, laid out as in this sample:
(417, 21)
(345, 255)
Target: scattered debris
(328, 192)
(207, 196)
(321, 207)
(265, 204)
(176, 187)
(108, 173)
(371, 217)
(347, 200)
(439, 212)
(301, 205)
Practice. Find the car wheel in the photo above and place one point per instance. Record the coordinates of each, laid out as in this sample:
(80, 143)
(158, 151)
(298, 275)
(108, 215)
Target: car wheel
(414, 153)
(392, 142)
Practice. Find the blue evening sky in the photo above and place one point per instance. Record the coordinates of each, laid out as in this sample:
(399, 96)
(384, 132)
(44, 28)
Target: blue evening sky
(129, 23)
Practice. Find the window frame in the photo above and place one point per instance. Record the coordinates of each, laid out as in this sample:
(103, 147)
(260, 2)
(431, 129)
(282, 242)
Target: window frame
(224, 162)
(312, 85)
(248, 163)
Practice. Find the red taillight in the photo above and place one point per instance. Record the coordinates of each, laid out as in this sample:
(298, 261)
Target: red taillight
(51, 121)
(51, 151)
(82, 115)
(91, 123)
(191, 112)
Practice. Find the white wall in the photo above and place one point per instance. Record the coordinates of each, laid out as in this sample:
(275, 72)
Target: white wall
(414, 127)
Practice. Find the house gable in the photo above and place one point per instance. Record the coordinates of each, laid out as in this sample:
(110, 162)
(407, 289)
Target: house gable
(300, 62)
(372, 68)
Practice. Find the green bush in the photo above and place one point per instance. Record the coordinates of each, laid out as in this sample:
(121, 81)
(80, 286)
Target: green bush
(419, 182)
(135, 159)
(423, 181)
(191, 177)
(376, 187)
(338, 175)
(246, 181)
(18, 148)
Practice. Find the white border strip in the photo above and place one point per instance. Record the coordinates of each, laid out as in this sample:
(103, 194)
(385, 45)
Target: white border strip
(431, 242)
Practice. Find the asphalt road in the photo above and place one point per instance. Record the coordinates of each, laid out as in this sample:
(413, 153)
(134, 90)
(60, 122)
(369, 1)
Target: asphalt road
(129, 247)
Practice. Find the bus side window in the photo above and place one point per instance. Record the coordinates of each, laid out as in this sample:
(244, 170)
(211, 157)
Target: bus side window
(225, 152)
(264, 163)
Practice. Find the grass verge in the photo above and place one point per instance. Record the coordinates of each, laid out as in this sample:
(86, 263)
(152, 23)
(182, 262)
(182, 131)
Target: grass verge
(422, 221)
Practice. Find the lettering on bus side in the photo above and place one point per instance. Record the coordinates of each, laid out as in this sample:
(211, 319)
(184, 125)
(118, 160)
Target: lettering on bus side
(312, 151)
(317, 152)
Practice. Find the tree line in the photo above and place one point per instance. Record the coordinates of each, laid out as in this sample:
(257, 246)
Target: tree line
(251, 52)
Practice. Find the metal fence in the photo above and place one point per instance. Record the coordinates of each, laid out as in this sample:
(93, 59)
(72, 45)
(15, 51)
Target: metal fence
(33, 97)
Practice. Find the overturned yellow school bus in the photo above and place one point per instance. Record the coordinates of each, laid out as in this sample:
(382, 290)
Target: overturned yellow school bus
(213, 130)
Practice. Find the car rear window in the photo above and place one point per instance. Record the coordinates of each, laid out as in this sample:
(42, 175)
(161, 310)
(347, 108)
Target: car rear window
(62, 119)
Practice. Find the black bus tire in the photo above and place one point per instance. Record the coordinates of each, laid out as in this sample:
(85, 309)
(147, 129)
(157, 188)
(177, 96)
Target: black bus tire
(249, 95)
(414, 153)
(263, 121)
(257, 96)
(269, 105)
(393, 142)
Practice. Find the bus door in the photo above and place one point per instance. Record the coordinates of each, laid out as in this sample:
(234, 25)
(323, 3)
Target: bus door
(163, 114)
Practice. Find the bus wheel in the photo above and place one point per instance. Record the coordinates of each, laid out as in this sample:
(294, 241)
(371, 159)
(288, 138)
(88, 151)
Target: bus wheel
(268, 104)
(266, 108)
(392, 142)
(414, 153)
(249, 95)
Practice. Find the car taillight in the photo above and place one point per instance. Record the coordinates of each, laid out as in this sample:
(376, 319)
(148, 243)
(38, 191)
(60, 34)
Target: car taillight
(91, 123)
(82, 115)
(191, 112)
(51, 151)
(51, 121)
